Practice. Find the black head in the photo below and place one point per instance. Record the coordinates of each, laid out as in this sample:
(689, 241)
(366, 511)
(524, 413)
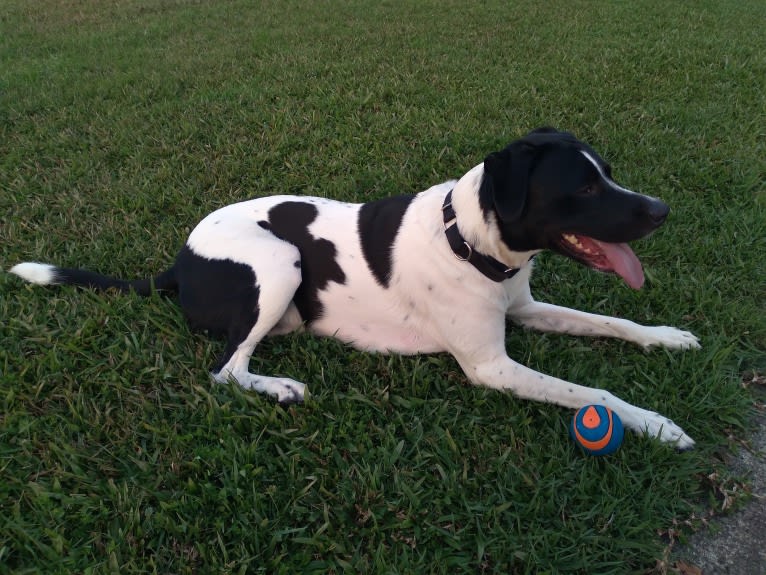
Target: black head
(549, 190)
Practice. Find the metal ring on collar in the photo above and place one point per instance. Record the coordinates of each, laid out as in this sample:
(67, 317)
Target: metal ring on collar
(466, 258)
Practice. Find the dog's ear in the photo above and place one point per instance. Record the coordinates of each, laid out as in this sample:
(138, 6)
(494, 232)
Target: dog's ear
(506, 179)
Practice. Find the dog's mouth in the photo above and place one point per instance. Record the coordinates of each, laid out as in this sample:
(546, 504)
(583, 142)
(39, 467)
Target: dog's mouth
(605, 257)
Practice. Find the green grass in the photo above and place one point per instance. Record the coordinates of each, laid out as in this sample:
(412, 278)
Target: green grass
(123, 123)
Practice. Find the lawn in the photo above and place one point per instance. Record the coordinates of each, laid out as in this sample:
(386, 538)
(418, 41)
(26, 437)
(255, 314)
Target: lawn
(123, 123)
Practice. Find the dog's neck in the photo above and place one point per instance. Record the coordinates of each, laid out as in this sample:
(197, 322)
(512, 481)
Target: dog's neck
(479, 230)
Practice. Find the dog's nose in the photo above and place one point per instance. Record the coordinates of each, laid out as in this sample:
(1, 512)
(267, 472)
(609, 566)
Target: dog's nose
(658, 211)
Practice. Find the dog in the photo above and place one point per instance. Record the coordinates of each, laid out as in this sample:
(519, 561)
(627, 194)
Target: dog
(438, 271)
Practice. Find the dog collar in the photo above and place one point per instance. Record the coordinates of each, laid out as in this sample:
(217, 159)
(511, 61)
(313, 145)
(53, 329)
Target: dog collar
(487, 265)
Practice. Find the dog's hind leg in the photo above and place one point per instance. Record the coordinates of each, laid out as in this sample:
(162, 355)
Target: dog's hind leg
(246, 302)
(235, 366)
(244, 335)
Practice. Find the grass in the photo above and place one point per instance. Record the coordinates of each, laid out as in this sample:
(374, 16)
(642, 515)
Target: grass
(123, 123)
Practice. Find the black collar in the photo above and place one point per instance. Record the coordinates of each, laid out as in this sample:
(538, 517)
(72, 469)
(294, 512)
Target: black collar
(487, 265)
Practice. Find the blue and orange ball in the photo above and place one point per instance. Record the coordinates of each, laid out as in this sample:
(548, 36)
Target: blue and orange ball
(597, 430)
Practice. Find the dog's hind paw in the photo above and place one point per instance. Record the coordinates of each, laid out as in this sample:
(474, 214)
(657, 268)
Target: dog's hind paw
(670, 337)
(285, 390)
(290, 392)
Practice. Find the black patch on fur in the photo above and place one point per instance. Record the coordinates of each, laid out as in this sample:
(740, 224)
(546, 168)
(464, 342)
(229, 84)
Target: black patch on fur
(378, 225)
(289, 221)
(220, 296)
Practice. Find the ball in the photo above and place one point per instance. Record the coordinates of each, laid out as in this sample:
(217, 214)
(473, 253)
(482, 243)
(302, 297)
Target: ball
(597, 429)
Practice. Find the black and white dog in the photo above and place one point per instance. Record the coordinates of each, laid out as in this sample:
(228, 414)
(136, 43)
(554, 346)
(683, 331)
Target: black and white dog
(432, 272)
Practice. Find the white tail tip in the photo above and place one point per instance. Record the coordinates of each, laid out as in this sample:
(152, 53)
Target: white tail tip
(41, 274)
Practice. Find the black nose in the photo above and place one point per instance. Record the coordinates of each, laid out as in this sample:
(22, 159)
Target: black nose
(658, 211)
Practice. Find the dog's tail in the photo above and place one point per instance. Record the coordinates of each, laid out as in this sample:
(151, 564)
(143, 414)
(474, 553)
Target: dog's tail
(46, 274)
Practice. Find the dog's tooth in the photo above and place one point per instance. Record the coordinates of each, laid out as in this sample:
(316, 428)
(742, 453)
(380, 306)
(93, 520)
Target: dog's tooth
(575, 242)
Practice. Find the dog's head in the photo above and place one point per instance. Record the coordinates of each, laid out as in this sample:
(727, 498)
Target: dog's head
(549, 190)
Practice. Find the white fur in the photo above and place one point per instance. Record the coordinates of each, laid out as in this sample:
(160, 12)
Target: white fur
(40, 274)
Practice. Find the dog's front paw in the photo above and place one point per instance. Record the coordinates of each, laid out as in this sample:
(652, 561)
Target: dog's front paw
(670, 337)
(657, 426)
(665, 430)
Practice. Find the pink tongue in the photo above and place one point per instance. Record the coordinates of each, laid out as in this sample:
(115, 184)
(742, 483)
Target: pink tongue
(624, 262)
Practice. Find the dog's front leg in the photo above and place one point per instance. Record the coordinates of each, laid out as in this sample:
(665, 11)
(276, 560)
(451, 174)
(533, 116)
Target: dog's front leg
(548, 317)
(501, 372)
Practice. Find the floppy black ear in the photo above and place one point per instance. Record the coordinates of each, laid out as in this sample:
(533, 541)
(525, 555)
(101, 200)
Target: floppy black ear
(506, 180)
